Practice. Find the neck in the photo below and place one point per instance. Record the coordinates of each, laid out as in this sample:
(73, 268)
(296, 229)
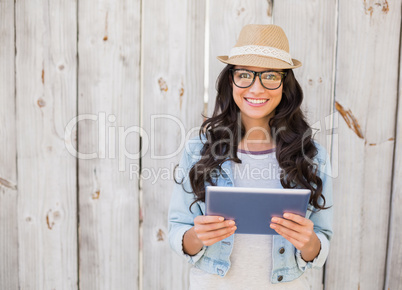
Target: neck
(258, 134)
(257, 139)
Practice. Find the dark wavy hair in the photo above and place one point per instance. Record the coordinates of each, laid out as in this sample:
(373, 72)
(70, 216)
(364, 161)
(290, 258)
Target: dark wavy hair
(292, 136)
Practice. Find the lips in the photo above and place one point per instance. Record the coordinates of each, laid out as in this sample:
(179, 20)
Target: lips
(256, 102)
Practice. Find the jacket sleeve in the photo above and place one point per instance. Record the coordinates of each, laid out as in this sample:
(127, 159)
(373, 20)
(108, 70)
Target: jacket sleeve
(322, 219)
(180, 219)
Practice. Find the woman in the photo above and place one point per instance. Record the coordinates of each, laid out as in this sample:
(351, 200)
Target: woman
(257, 123)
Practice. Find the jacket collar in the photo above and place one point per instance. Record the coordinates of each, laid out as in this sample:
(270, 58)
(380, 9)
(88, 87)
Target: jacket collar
(227, 170)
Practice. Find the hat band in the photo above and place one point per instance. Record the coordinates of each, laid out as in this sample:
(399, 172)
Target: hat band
(262, 50)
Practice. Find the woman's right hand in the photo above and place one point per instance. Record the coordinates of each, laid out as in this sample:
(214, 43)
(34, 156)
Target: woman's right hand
(212, 229)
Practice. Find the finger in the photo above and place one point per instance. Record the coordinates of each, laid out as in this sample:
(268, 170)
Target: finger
(297, 218)
(217, 239)
(288, 224)
(217, 233)
(206, 219)
(301, 238)
(201, 228)
(298, 245)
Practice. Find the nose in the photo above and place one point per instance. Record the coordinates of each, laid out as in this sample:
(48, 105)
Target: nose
(256, 87)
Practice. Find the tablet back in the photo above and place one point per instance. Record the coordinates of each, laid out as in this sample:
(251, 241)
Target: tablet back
(253, 208)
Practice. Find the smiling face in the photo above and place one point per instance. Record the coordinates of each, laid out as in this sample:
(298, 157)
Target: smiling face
(256, 103)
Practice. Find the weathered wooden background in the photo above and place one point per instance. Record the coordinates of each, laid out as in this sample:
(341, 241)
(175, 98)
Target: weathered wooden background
(91, 76)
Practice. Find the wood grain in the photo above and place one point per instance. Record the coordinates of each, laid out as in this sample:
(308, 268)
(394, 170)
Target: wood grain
(8, 154)
(109, 91)
(173, 70)
(394, 254)
(46, 89)
(366, 82)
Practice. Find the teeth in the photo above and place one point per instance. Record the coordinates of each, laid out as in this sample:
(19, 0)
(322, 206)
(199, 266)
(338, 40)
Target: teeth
(256, 101)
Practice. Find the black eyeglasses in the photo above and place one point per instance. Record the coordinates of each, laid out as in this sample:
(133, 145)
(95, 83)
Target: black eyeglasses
(244, 78)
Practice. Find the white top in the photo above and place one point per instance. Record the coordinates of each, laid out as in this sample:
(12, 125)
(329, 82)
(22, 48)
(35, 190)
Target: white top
(251, 257)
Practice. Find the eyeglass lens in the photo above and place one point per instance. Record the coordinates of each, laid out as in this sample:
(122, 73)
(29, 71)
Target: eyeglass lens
(244, 78)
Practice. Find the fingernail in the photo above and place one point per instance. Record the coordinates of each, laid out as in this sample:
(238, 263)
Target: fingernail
(231, 223)
(272, 225)
(234, 228)
(286, 215)
(274, 220)
(221, 219)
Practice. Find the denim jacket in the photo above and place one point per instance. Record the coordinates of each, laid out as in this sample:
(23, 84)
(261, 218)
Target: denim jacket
(287, 263)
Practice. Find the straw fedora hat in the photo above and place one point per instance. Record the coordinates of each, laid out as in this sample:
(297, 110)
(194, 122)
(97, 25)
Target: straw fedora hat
(262, 46)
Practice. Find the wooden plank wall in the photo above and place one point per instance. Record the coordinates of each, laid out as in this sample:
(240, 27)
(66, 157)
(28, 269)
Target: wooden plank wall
(173, 101)
(45, 70)
(8, 154)
(109, 88)
(92, 222)
(394, 257)
(366, 96)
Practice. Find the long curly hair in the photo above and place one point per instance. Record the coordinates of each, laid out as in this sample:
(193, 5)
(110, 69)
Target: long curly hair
(292, 136)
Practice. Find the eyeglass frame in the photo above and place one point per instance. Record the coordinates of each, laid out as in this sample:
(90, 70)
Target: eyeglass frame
(282, 73)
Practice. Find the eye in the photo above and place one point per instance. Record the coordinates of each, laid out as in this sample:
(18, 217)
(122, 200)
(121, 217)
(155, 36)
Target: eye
(271, 76)
(244, 74)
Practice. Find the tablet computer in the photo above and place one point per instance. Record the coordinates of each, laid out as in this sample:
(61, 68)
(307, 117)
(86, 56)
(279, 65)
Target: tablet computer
(253, 208)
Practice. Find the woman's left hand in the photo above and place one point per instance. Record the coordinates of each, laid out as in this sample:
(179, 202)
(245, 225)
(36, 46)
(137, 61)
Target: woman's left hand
(300, 232)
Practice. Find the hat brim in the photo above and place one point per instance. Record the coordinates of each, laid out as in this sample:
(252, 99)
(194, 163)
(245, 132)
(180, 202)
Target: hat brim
(259, 61)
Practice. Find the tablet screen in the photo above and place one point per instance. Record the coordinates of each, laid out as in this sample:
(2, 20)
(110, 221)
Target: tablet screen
(253, 208)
